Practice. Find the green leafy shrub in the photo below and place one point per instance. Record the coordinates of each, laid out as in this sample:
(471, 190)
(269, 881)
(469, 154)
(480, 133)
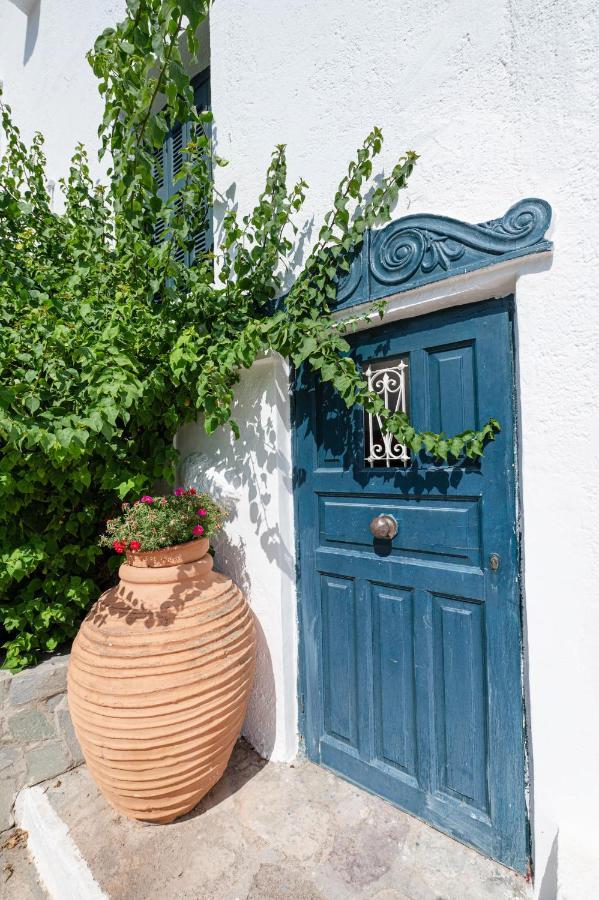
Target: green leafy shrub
(152, 523)
(108, 343)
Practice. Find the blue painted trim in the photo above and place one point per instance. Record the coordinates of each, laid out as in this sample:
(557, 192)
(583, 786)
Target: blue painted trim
(201, 86)
(422, 249)
(296, 455)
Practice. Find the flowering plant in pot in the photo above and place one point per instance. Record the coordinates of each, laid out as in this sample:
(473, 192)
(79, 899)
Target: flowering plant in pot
(162, 668)
(156, 523)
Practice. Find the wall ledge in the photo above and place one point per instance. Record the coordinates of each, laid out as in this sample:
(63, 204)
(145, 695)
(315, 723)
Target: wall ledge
(490, 282)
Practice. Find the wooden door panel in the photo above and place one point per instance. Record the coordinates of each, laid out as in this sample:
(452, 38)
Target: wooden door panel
(394, 683)
(452, 388)
(439, 530)
(339, 658)
(460, 729)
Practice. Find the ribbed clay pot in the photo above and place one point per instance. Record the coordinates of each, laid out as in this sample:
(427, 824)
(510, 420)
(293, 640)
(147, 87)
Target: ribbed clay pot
(159, 680)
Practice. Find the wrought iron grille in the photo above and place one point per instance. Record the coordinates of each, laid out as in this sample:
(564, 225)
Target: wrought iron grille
(389, 379)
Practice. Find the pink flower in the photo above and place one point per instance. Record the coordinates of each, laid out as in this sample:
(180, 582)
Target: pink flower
(134, 545)
(146, 499)
(201, 512)
(198, 529)
(179, 492)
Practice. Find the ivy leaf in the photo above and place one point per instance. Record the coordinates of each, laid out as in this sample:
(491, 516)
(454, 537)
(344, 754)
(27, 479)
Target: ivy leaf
(125, 487)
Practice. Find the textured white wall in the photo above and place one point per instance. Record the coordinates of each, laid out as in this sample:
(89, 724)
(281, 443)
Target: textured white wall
(47, 80)
(500, 99)
(252, 476)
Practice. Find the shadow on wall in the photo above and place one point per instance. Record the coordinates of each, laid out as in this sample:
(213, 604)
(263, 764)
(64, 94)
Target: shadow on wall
(31, 8)
(244, 475)
(549, 885)
(231, 470)
(33, 27)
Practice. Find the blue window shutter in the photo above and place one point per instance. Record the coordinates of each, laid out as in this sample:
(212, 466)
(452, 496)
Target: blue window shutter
(161, 175)
(176, 146)
(203, 238)
(167, 165)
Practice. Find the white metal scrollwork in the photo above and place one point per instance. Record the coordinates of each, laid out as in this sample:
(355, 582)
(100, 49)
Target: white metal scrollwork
(390, 384)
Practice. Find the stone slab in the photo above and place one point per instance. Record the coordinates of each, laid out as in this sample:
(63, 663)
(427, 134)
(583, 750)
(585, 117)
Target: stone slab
(46, 761)
(39, 683)
(274, 831)
(8, 789)
(9, 757)
(30, 725)
(5, 682)
(67, 732)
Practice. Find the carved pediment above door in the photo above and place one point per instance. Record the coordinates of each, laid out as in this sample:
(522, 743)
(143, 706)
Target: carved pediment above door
(420, 249)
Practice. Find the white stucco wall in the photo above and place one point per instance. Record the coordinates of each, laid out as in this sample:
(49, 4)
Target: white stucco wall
(47, 80)
(252, 477)
(501, 101)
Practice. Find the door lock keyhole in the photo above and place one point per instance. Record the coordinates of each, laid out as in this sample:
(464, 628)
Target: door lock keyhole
(494, 561)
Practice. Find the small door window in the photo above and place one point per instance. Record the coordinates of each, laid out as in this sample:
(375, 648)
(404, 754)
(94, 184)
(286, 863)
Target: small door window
(389, 379)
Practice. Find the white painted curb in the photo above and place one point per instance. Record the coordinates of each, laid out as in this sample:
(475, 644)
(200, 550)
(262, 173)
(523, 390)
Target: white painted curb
(61, 868)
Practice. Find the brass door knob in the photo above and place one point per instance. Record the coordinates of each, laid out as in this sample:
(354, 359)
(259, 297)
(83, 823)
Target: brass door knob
(384, 527)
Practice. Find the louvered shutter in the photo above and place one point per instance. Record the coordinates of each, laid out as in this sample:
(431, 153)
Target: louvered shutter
(168, 160)
(161, 178)
(202, 239)
(176, 140)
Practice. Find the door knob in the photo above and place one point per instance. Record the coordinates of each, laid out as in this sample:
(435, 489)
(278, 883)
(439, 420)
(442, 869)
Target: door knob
(384, 527)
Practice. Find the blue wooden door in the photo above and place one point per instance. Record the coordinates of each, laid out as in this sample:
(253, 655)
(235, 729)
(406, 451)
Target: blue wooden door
(411, 648)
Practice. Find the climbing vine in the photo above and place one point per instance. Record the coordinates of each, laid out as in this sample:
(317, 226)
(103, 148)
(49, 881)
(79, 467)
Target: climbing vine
(109, 342)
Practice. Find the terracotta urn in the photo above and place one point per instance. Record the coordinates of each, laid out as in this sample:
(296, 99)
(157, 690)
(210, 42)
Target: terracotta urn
(159, 680)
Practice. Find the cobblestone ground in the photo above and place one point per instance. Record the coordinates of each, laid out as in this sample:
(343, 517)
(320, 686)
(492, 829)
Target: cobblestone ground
(278, 832)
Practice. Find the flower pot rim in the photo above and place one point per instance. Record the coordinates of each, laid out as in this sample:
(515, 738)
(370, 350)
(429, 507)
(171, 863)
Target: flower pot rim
(166, 557)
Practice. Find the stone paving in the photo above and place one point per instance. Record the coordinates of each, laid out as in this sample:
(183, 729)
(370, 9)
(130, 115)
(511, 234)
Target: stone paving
(278, 832)
(18, 875)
